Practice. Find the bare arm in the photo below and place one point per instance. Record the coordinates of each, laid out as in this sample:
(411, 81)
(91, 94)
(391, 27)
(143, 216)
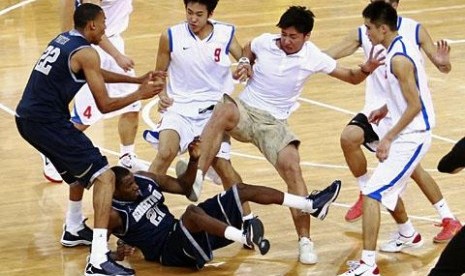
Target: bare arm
(356, 76)
(235, 49)
(403, 69)
(88, 61)
(437, 54)
(244, 69)
(163, 61)
(66, 14)
(346, 47)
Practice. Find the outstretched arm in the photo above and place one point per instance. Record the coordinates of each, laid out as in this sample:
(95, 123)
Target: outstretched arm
(437, 53)
(346, 47)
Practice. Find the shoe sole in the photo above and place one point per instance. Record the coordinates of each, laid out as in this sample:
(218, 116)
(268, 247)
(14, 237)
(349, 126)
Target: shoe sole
(413, 246)
(258, 232)
(353, 220)
(325, 209)
(75, 243)
(52, 180)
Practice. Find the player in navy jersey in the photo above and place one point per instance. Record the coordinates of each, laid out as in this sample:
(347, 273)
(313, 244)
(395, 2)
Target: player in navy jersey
(141, 219)
(43, 116)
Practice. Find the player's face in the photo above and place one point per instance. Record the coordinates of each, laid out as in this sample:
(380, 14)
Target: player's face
(128, 190)
(197, 16)
(98, 27)
(374, 33)
(292, 41)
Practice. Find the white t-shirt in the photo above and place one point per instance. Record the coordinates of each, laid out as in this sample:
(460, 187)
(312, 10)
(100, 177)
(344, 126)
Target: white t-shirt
(278, 78)
(117, 15)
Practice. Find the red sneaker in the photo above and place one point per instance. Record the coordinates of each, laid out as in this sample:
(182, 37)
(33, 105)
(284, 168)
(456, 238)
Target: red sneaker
(450, 227)
(355, 212)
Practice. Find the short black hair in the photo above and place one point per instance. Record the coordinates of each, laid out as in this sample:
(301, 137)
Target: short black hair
(85, 13)
(120, 173)
(299, 17)
(210, 4)
(379, 13)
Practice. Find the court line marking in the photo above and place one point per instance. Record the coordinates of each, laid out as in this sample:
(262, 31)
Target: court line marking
(15, 6)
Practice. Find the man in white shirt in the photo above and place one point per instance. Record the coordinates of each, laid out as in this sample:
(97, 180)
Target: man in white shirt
(281, 65)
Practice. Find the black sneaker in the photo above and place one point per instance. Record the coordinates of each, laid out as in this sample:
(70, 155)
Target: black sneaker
(109, 267)
(84, 236)
(321, 200)
(254, 232)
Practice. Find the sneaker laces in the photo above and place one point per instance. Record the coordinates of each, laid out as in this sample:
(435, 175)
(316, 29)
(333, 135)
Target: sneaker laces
(353, 265)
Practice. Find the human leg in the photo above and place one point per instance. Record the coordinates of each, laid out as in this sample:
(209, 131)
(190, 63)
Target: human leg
(358, 132)
(168, 148)
(450, 225)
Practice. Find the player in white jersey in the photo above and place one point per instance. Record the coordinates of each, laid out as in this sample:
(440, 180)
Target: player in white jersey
(408, 100)
(281, 65)
(112, 58)
(195, 53)
(359, 132)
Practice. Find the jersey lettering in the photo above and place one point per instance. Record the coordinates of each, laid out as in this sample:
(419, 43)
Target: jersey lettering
(44, 65)
(88, 112)
(217, 54)
(155, 215)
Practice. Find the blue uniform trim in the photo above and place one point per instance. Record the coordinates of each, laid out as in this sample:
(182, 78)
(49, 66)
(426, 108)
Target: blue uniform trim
(170, 40)
(417, 35)
(377, 194)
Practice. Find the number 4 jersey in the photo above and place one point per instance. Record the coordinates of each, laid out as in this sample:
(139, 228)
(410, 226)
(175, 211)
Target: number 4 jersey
(52, 84)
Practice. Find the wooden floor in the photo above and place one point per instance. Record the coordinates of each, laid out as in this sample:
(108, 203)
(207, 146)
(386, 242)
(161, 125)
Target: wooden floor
(32, 210)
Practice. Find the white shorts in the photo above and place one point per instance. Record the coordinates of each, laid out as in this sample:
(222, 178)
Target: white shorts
(85, 109)
(389, 179)
(187, 128)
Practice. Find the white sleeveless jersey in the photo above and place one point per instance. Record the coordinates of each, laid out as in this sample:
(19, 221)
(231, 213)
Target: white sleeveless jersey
(375, 83)
(199, 71)
(278, 78)
(425, 119)
(117, 15)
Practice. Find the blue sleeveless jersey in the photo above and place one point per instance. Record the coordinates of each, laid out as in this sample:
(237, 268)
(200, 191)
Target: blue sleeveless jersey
(147, 221)
(52, 85)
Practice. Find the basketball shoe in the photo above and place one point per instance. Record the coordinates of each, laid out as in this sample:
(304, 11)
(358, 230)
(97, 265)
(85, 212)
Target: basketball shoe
(254, 234)
(307, 252)
(321, 200)
(132, 163)
(399, 242)
(82, 237)
(109, 267)
(450, 227)
(50, 172)
(359, 268)
(356, 211)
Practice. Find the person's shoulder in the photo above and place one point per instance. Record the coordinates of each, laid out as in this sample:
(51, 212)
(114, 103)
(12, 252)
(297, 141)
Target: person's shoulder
(216, 23)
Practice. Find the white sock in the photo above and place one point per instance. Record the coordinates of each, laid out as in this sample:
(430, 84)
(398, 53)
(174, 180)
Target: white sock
(99, 246)
(126, 149)
(369, 257)
(74, 217)
(362, 180)
(234, 234)
(443, 209)
(406, 229)
(246, 217)
(295, 201)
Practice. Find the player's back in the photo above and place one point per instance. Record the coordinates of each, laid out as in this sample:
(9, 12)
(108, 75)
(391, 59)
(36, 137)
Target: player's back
(52, 84)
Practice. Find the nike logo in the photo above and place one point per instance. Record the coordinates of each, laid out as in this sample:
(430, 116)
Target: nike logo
(185, 48)
(399, 244)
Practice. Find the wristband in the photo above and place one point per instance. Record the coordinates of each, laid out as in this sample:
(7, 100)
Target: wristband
(244, 60)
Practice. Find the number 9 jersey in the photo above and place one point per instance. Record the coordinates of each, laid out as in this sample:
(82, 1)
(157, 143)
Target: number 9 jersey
(52, 84)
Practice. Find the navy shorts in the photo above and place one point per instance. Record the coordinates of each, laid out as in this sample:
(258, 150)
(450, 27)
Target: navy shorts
(69, 149)
(185, 249)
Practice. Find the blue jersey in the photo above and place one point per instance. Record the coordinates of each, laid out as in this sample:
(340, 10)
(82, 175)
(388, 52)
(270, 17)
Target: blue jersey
(52, 84)
(147, 221)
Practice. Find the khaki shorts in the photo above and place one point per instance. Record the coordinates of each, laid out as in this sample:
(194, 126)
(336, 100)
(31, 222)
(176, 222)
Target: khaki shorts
(260, 128)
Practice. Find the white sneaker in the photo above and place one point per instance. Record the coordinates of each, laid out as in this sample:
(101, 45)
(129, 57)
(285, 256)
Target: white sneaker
(50, 172)
(359, 268)
(399, 242)
(132, 163)
(181, 167)
(307, 254)
(213, 176)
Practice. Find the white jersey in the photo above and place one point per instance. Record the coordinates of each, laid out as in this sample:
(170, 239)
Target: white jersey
(117, 15)
(375, 83)
(199, 71)
(425, 120)
(278, 78)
